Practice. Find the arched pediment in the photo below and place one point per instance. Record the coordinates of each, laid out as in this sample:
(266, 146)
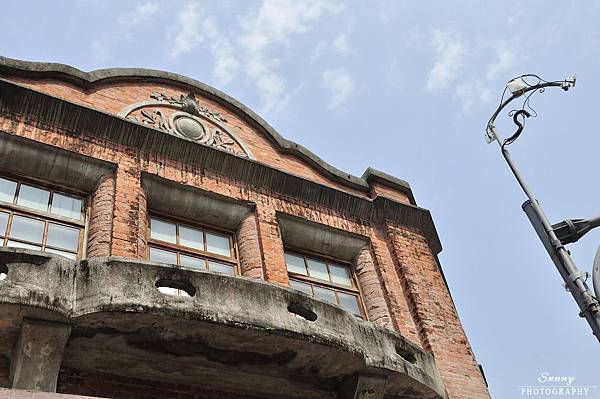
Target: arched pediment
(183, 117)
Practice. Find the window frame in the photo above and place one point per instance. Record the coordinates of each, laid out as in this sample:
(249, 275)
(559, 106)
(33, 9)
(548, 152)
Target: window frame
(353, 290)
(47, 217)
(179, 249)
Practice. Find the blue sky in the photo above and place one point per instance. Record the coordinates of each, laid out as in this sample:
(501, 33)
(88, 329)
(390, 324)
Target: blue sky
(405, 87)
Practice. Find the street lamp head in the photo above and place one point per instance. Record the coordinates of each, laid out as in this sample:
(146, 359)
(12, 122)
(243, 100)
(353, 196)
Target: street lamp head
(527, 85)
(517, 86)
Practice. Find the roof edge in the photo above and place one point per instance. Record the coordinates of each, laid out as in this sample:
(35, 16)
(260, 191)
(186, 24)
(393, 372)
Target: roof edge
(85, 79)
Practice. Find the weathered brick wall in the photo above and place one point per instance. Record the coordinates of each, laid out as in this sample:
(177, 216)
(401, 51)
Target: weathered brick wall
(4, 371)
(250, 255)
(112, 386)
(398, 274)
(114, 97)
(100, 224)
(372, 292)
(436, 318)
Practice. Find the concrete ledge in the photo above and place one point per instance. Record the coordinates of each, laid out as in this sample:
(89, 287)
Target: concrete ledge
(192, 203)
(29, 158)
(233, 329)
(305, 235)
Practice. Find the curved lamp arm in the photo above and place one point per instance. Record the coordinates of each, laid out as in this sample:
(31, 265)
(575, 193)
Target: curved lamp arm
(518, 87)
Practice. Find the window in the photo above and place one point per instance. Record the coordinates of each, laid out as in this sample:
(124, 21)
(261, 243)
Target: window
(35, 217)
(191, 246)
(325, 280)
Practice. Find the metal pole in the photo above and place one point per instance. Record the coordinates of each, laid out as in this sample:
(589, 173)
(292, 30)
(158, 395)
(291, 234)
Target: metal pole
(573, 277)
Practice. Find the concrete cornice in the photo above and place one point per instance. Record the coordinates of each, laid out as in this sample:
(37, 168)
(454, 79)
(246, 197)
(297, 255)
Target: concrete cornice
(83, 79)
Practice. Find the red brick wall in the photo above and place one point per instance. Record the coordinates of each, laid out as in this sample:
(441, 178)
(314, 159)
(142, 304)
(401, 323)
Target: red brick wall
(436, 318)
(398, 274)
(378, 189)
(251, 263)
(113, 97)
(116, 387)
(100, 223)
(371, 290)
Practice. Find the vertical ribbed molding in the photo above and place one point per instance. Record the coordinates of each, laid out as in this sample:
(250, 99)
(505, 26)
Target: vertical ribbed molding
(271, 245)
(101, 217)
(370, 286)
(251, 262)
(129, 223)
(394, 290)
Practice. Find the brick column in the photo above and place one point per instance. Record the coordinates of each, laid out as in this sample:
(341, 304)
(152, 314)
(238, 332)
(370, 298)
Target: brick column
(372, 292)
(101, 217)
(129, 223)
(393, 288)
(251, 263)
(39, 353)
(271, 245)
(436, 316)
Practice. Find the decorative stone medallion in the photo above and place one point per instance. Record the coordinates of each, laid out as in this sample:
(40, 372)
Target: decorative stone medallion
(185, 118)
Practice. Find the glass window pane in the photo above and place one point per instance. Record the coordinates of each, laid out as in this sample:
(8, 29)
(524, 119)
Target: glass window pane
(350, 302)
(16, 244)
(317, 269)
(190, 261)
(62, 237)
(7, 190)
(295, 264)
(297, 285)
(218, 244)
(27, 229)
(33, 197)
(191, 238)
(3, 223)
(324, 294)
(63, 253)
(340, 275)
(161, 230)
(221, 268)
(66, 206)
(160, 256)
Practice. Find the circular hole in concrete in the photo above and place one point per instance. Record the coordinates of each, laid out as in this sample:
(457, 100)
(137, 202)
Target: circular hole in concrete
(176, 288)
(406, 354)
(3, 276)
(3, 272)
(302, 311)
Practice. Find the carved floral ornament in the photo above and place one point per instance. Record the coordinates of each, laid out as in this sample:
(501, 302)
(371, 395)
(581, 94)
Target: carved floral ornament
(185, 118)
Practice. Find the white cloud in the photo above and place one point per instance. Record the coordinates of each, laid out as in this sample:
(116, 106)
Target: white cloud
(451, 52)
(103, 45)
(226, 65)
(188, 36)
(141, 13)
(503, 61)
(472, 93)
(271, 26)
(197, 29)
(340, 44)
(340, 86)
(318, 51)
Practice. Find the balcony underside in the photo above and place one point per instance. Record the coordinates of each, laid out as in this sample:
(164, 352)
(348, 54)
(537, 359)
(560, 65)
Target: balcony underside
(234, 334)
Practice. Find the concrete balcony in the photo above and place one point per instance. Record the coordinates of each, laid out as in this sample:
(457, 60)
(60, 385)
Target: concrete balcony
(235, 334)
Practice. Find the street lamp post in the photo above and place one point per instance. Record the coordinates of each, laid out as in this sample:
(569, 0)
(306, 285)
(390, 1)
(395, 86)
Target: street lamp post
(553, 237)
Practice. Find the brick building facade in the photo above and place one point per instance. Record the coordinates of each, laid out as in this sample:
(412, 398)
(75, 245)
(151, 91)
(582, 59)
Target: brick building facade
(161, 240)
